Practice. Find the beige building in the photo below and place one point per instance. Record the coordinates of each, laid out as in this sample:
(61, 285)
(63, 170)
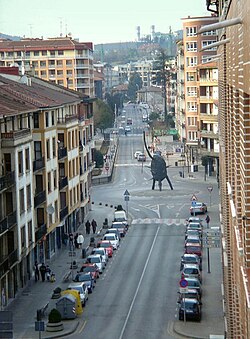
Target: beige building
(63, 61)
(46, 155)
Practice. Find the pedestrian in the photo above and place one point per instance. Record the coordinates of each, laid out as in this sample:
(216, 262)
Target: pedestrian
(36, 269)
(71, 241)
(207, 220)
(80, 240)
(48, 272)
(43, 271)
(87, 226)
(94, 225)
(75, 240)
(65, 239)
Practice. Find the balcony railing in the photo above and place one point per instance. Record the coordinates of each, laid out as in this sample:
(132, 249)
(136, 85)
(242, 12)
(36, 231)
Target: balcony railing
(38, 164)
(14, 138)
(6, 261)
(63, 213)
(62, 152)
(63, 183)
(67, 119)
(39, 198)
(7, 181)
(41, 232)
(8, 222)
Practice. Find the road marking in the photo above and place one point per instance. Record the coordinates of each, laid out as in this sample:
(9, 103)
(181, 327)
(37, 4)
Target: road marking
(149, 221)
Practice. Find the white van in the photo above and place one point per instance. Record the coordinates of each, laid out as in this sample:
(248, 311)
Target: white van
(120, 216)
(82, 288)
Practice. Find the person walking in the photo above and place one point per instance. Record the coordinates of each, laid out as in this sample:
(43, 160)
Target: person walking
(71, 241)
(207, 220)
(75, 240)
(43, 271)
(94, 225)
(87, 226)
(48, 272)
(36, 269)
(80, 240)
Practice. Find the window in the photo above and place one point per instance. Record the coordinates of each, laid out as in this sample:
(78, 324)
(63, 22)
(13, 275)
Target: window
(42, 63)
(60, 52)
(48, 148)
(44, 53)
(59, 63)
(27, 54)
(49, 182)
(68, 62)
(55, 179)
(191, 61)
(54, 147)
(56, 211)
(20, 163)
(60, 73)
(30, 231)
(28, 196)
(191, 76)
(34, 64)
(52, 53)
(192, 136)
(43, 74)
(192, 106)
(206, 43)
(52, 118)
(47, 119)
(36, 53)
(191, 91)
(209, 33)
(27, 159)
(192, 121)
(23, 237)
(69, 73)
(21, 201)
(52, 63)
(206, 58)
(36, 120)
(191, 31)
(191, 46)
(38, 149)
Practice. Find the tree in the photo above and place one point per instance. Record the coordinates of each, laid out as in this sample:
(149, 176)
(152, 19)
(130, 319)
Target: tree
(98, 158)
(135, 83)
(103, 115)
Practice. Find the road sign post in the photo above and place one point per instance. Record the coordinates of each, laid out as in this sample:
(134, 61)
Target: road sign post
(210, 189)
(126, 198)
(183, 288)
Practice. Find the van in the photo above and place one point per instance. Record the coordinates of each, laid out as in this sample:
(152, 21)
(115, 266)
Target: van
(82, 288)
(120, 216)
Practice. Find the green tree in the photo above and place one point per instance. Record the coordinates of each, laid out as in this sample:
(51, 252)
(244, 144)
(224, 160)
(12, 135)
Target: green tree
(135, 83)
(98, 158)
(103, 115)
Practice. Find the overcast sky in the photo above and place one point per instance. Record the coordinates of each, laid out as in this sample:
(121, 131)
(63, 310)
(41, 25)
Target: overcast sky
(99, 21)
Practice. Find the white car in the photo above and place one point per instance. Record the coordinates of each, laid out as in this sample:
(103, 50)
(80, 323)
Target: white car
(82, 288)
(96, 259)
(113, 239)
(102, 252)
(136, 154)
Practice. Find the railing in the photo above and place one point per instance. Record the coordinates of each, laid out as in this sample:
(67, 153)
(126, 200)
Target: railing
(6, 261)
(7, 180)
(63, 183)
(39, 198)
(41, 232)
(8, 222)
(38, 164)
(63, 213)
(67, 119)
(14, 135)
(62, 152)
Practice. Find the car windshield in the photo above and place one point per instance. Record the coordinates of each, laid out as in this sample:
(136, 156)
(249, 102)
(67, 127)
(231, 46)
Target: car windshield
(106, 245)
(194, 248)
(118, 225)
(191, 270)
(110, 237)
(94, 260)
(89, 269)
(190, 259)
(189, 304)
(82, 277)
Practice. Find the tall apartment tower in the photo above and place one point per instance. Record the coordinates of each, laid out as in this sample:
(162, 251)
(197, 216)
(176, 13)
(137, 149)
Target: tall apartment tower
(63, 61)
(234, 112)
(194, 56)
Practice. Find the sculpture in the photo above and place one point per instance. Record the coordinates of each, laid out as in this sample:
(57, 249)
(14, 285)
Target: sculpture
(158, 167)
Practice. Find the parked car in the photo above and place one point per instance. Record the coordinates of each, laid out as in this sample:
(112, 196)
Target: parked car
(96, 259)
(194, 239)
(114, 231)
(102, 252)
(127, 129)
(191, 259)
(121, 227)
(194, 226)
(113, 239)
(194, 283)
(191, 270)
(191, 248)
(189, 294)
(141, 157)
(87, 279)
(198, 208)
(121, 216)
(191, 308)
(195, 219)
(193, 233)
(107, 245)
(82, 288)
(137, 153)
(90, 268)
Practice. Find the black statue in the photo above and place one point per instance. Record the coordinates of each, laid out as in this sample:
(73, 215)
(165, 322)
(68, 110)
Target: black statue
(158, 167)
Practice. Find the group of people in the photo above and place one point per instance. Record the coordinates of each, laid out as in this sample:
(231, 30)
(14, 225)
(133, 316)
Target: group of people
(88, 225)
(44, 271)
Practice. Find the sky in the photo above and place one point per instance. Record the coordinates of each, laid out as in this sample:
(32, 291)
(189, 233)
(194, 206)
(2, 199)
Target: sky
(97, 22)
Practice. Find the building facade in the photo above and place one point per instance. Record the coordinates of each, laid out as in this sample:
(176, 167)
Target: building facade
(63, 61)
(46, 155)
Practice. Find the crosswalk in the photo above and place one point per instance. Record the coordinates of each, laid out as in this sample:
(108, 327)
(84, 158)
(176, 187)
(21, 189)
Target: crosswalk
(150, 221)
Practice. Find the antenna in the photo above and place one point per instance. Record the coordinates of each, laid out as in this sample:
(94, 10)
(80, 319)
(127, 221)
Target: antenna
(31, 26)
(60, 26)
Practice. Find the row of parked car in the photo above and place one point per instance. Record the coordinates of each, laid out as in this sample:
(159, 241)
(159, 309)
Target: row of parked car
(94, 265)
(189, 302)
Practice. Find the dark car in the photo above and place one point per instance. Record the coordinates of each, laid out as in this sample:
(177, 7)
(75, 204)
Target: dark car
(192, 248)
(87, 279)
(90, 268)
(190, 259)
(141, 157)
(190, 309)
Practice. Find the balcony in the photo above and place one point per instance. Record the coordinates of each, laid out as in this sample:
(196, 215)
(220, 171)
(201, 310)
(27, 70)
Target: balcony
(7, 181)
(62, 152)
(208, 117)
(8, 222)
(38, 164)
(7, 261)
(206, 99)
(209, 134)
(63, 182)
(39, 198)
(67, 120)
(16, 138)
(63, 213)
(41, 232)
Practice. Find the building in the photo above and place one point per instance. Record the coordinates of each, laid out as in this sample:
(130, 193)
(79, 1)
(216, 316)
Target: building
(46, 156)
(194, 55)
(63, 61)
(234, 134)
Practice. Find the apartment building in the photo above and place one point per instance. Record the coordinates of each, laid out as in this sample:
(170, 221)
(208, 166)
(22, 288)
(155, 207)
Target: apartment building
(63, 61)
(234, 109)
(180, 122)
(194, 55)
(46, 155)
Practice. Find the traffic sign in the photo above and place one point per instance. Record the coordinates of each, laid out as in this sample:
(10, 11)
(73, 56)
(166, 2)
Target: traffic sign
(183, 289)
(210, 188)
(194, 198)
(126, 193)
(183, 283)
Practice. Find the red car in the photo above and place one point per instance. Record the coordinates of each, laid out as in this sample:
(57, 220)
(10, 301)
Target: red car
(107, 245)
(90, 268)
(191, 248)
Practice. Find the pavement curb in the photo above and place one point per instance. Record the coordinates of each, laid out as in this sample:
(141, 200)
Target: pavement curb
(64, 333)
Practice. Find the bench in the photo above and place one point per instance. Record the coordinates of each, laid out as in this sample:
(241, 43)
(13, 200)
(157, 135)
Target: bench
(66, 276)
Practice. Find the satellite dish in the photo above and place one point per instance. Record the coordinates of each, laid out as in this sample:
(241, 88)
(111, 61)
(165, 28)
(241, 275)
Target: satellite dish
(50, 209)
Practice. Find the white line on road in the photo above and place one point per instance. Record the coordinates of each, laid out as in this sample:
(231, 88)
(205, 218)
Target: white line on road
(139, 284)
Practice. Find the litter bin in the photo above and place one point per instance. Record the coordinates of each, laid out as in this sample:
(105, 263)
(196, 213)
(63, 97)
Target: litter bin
(180, 174)
(176, 163)
(84, 253)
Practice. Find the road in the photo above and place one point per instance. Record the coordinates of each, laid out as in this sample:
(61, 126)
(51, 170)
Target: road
(136, 295)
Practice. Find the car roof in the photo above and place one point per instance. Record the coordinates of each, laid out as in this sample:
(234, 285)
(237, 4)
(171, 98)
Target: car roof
(93, 256)
(190, 266)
